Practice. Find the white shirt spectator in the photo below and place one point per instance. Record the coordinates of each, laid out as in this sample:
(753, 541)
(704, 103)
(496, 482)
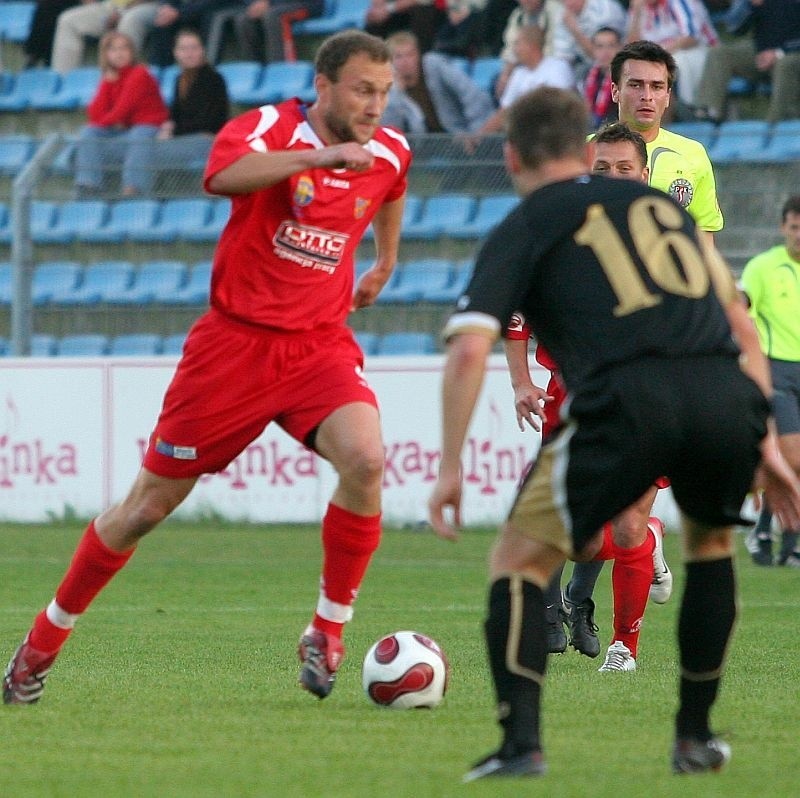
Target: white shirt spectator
(550, 71)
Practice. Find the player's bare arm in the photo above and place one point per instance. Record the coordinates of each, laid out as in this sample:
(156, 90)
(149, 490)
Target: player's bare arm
(259, 170)
(529, 398)
(462, 381)
(386, 225)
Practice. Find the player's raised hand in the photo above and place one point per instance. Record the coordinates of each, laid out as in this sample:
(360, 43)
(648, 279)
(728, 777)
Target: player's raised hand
(446, 497)
(349, 155)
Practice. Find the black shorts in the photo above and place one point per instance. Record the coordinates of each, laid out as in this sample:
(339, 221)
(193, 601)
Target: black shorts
(697, 420)
(786, 402)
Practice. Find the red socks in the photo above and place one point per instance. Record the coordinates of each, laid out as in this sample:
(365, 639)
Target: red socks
(631, 578)
(348, 541)
(92, 567)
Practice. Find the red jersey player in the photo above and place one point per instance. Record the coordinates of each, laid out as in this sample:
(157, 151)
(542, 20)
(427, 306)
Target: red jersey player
(305, 182)
(634, 539)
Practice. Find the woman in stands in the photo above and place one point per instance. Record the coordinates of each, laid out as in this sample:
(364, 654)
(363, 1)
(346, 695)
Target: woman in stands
(124, 118)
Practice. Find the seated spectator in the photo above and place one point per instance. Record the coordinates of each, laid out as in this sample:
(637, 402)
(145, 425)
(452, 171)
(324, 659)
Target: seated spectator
(422, 17)
(93, 18)
(771, 51)
(39, 44)
(683, 28)
(606, 43)
(430, 94)
(172, 15)
(200, 105)
(495, 18)
(533, 69)
(542, 13)
(574, 26)
(124, 118)
(461, 34)
(260, 26)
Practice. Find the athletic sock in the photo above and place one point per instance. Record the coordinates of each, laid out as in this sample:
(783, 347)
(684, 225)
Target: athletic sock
(348, 541)
(707, 615)
(584, 577)
(631, 578)
(517, 648)
(92, 567)
(552, 593)
(788, 544)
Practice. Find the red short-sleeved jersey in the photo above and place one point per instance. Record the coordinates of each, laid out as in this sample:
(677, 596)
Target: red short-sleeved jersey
(285, 258)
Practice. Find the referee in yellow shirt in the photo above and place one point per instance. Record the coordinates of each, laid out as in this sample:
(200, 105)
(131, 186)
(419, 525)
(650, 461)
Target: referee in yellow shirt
(771, 282)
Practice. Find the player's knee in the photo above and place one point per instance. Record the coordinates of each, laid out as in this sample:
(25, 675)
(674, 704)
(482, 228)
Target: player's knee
(363, 466)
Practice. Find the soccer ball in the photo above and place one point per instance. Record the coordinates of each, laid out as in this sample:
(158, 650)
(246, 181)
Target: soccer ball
(405, 670)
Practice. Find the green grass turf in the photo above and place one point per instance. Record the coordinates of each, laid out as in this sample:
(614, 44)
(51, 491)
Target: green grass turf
(181, 679)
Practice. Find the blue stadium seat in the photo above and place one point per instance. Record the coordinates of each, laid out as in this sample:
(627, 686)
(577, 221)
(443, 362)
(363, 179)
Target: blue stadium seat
(411, 279)
(784, 143)
(220, 213)
(485, 71)
(77, 88)
(124, 220)
(166, 81)
(54, 278)
(462, 62)
(136, 344)
(368, 342)
(43, 345)
(195, 292)
(154, 281)
(338, 15)
(15, 20)
(241, 78)
(177, 215)
(42, 217)
(173, 344)
(407, 343)
(282, 80)
(451, 292)
(74, 217)
(64, 163)
(15, 152)
(82, 345)
(704, 132)
(739, 140)
(4, 347)
(411, 213)
(440, 215)
(6, 280)
(101, 281)
(491, 210)
(31, 86)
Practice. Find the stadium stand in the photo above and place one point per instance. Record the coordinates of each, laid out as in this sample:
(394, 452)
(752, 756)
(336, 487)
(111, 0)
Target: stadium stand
(176, 217)
(30, 87)
(173, 344)
(491, 210)
(15, 152)
(125, 219)
(783, 144)
(100, 282)
(368, 341)
(42, 217)
(241, 79)
(6, 276)
(278, 81)
(15, 20)
(440, 215)
(406, 343)
(453, 290)
(195, 291)
(54, 279)
(338, 15)
(43, 345)
(209, 232)
(135, 344)
(157, 281)
(739, 140)
(72, 217)
(82, 345)
(411, 279)
(76, 89)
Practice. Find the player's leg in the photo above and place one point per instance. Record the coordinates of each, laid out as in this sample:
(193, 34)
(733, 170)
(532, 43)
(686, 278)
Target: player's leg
(706, 619)
(789, 554)
(554, 614)
(106, 546)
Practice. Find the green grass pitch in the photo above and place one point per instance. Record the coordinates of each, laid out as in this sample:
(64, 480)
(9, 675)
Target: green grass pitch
(181, 679)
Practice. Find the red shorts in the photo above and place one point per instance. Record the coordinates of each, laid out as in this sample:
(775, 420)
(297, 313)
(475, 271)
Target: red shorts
(234, 379)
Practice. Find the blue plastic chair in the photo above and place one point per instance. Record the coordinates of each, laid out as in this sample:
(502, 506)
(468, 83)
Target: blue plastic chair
(491, 210)
(166, 82)
(739, 140)
(197, 287)
(100, 281)
(6, 278)
(31, 87)
(155, 281)
(282, 80)
(407, 343)
(125, 219)
(83, 345)
(211, 231)
(15, 152)
(177, 216)
(74, 217)
(338, 15)
(440, 215)
(784, 143)
(368, 342)
(43, 345)
(15, 20)
(704, 132)
(54, 278)
(241, 78)
(77, 89)
(411, 213)
(173, 344)
(42, 217)
(136, 344)
(451, 292)
(414, 277)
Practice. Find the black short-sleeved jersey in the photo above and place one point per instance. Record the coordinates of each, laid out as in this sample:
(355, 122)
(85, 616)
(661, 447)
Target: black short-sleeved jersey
(605, 271)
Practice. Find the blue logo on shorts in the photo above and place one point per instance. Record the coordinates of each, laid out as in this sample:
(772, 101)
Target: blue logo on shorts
(177, 452)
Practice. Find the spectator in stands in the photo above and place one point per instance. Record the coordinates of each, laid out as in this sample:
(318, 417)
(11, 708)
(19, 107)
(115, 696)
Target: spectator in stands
(574, 26)
(606, 43)
(533, 69)
(682, 27)
(172, 15)
(124, 118)
(134, 18)
(262, 27)
(422, 17)
(772, 51)
(39, 44)
(461, 34)
(431, 94)
(495, 18)
(542, 13)
(199, 108)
